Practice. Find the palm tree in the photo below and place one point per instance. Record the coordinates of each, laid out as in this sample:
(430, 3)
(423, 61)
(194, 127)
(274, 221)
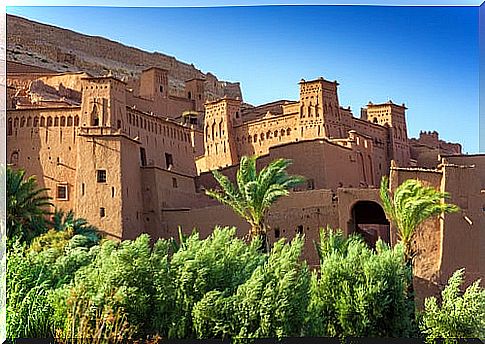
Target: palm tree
(411, 205)
(62, 221)
(254, 192)
(27, 205)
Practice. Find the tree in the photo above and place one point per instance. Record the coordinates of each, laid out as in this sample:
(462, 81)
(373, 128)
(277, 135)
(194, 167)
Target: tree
(411, 205)
(27, 205)
(254, 192)
(62, 221)
(460, 314)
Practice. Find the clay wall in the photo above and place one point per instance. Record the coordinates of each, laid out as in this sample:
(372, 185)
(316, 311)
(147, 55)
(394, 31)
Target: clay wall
(99, 200)
(259, 136)
(43, 143)
(300, 212)
(465, 184)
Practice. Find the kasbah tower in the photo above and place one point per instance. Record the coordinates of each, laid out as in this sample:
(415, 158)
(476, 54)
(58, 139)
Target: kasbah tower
(134, 155)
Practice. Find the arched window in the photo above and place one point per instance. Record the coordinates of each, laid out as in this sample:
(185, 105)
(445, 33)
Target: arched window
(262, 136)
(36, 121)
(275, 134)
(268, 134)
(63, 121)
(283, 132)
(15, 122)
(49, 121)
(94, 116)
(29, 121)
(288, 131)
(42, 121)
(220, 129)
(213, 129)
(69, 121)
(118, 124)
(250, 138)
(22, 122)
(56, 121)
(255, 137)
(76, 120)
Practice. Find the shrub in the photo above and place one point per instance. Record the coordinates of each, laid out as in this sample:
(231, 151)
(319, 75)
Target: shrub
(28, 284)
(33, 273)
(221, 263)
(116, 285)
(359, 292)
(271, 303)
(460, 315)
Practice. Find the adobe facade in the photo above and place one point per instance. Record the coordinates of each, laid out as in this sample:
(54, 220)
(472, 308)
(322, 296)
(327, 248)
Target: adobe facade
(133, 157)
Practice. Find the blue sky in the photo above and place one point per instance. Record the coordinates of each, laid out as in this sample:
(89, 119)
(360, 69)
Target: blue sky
(426, 57)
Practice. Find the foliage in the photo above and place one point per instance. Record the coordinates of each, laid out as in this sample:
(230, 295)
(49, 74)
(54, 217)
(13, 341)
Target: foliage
(271, 303)
(359, 292)
(220, 262)
(410, 206)
(27, 205)
(28, 283)
(33, 273)
(62, 221)
(254, 193)
(460, 315)
(117, 283)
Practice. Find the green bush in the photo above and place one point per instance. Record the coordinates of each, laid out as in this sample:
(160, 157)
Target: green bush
(33, 273)
(221, 262)
(271, 303)
(116, 285)
(359, 292)
(460, 315)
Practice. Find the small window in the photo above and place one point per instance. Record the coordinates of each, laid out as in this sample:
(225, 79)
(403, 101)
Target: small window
(311, 184)
(102, 212)
(161, 89)
(299, 230)
(168, 160)
(143, 156)
(83, 189)
(174, 182)
(101, 176)
(112, 191)
(62, 192)
(277, 233)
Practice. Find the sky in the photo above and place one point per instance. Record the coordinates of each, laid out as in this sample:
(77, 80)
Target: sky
(425, 57)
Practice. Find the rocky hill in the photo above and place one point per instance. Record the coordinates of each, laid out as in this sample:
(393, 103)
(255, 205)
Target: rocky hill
(63, 50)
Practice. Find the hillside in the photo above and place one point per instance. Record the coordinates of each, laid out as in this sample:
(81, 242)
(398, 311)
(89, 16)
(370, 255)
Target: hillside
(63, 50)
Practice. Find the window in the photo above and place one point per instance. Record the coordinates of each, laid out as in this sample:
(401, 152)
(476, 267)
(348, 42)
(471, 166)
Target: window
(102, 212)
(299, 230)
(62, 192)
(168, 160)
(311, 184)
(161, 89)
(276, 233)
(174, 182)
(83, 189)
(101, 176)
(143, 156)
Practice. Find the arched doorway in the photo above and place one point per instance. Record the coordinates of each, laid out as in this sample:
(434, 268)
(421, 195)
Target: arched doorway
(369, 220)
